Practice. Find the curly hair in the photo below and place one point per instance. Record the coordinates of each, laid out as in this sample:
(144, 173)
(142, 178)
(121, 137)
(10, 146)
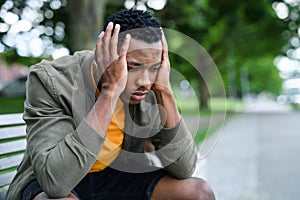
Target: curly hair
(138, 23)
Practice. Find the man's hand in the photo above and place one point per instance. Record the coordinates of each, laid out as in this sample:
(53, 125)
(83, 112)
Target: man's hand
(113, 68)
(112, 64)
(162, 82)
(168, 111)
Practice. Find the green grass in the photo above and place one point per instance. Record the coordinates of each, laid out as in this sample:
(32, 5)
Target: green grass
(11, 105)
(191, 105)
(295, 107)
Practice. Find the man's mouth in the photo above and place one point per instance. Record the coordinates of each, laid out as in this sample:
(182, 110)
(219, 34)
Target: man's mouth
(138, 96)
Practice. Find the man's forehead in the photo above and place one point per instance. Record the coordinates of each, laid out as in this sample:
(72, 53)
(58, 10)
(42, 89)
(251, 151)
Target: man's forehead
(141, 45)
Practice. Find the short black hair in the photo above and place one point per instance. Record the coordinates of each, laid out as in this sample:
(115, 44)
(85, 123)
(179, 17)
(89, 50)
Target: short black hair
(140, 24)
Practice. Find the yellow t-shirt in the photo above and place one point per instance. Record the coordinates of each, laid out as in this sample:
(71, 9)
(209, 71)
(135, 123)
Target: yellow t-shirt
(114, 140)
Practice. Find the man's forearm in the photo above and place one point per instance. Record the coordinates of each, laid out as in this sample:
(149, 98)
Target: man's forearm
(102, 112)
(169, 112)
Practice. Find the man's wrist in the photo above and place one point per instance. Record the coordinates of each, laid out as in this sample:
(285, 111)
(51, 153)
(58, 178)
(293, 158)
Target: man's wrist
(165, 93)
(168, 112)
(163, 90)
(109, 95)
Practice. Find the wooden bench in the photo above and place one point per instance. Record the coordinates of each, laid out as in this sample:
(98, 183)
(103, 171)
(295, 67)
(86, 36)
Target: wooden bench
(12, 147)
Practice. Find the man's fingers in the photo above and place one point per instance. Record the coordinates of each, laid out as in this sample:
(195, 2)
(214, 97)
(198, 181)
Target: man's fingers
(98, 54)
(114, 43)
(125, 46)
(106, 44)
(164, 46)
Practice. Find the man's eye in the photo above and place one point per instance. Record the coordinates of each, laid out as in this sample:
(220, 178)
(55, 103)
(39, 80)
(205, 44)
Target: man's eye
(131, 69)
(154, 69)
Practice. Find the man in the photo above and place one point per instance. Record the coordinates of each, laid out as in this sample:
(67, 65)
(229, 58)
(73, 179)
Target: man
(89, 115)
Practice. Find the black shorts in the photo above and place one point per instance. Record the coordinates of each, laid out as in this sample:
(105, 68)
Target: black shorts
(109, 184)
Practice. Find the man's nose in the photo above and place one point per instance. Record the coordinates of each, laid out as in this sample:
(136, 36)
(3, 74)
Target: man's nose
(144, 79)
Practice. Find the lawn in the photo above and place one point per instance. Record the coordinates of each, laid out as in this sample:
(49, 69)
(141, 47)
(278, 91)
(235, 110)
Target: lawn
(190, 106)
(11, 105)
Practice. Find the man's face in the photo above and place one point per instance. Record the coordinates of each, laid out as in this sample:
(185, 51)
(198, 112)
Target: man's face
(143, 62)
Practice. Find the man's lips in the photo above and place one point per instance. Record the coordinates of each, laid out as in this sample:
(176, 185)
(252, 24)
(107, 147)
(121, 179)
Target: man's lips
(138, 96)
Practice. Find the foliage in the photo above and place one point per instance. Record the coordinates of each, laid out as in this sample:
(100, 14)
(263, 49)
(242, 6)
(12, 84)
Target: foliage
(41, 27)
(291, 20)
(26, 23)
(235, 33)
(263, 78)
(11, 57)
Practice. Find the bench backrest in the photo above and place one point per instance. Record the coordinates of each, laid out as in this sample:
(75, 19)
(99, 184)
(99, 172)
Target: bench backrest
(12, 147)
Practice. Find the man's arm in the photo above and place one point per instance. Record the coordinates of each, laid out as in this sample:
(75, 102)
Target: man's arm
(163, 91)
(62, 154)
(114, 70)
(177, 150)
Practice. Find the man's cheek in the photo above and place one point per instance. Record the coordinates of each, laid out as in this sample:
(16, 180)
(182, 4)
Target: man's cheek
(153, 79)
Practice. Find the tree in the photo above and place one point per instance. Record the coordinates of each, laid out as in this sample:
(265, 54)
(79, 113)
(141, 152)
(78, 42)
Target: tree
(232, 32)
(85, 21)
(50, 24)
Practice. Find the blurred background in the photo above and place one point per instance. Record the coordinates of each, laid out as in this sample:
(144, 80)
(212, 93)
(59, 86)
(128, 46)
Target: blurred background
(255, 46)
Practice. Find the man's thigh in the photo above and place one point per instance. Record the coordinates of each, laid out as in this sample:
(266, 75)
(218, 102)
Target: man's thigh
(109, 184)
(114, 184)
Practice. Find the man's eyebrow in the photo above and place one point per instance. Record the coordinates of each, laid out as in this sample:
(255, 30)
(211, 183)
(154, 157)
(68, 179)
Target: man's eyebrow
(157, 64)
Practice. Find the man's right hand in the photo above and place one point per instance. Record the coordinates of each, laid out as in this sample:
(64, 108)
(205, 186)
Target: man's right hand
(111, 63)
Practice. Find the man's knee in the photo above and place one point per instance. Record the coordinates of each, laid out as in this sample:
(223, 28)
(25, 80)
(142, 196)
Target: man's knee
(44, 196)
(198, 189)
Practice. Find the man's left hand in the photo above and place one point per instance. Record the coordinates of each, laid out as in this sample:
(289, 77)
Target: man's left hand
(162, 83)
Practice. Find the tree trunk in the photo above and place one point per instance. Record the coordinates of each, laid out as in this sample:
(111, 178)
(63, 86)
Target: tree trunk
(86, 22)
(204, 93)
(204, 67)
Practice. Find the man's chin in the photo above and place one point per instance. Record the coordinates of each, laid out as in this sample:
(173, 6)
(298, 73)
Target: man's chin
(134, 102)
(129, 100)
(133, 99)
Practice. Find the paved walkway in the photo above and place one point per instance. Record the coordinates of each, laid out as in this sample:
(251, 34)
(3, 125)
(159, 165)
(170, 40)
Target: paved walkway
(256, 157)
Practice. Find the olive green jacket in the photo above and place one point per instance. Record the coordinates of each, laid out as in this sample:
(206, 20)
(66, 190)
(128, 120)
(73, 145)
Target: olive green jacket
(62, 147)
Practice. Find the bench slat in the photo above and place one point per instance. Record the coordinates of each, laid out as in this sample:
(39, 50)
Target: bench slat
(3, 192)
(12, 132)
(12, 161)
(9, 119)
(14, 146)
(11, 126)
(5, 179)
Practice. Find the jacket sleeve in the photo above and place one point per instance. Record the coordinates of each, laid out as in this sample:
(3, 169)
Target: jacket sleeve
(60, 157)
(177, 150)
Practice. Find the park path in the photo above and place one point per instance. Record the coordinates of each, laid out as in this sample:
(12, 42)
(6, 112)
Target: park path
(257, 155)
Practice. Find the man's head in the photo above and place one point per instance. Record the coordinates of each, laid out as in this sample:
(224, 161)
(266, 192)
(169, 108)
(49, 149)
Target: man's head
(138, 23)
(144, 54)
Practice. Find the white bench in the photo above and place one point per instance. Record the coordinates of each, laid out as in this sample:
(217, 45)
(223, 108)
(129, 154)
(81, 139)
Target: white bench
(12, 147)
